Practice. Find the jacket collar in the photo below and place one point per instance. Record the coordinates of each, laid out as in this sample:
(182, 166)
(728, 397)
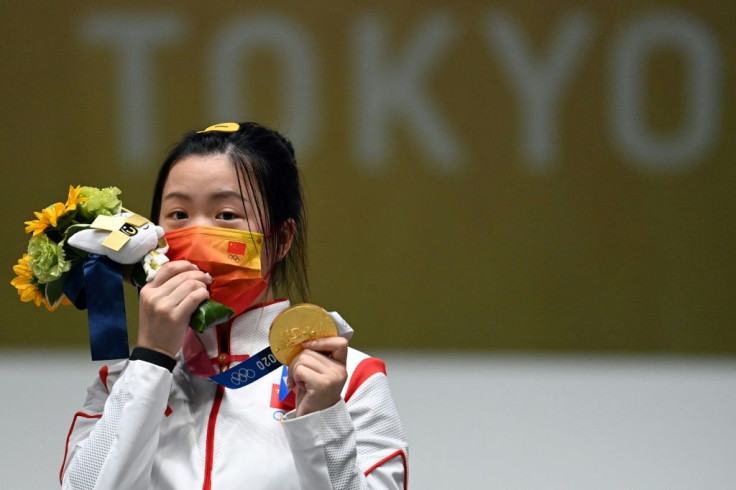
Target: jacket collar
(243, 336)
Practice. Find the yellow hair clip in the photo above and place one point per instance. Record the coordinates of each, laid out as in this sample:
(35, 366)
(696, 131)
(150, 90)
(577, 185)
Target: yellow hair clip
(229, 127)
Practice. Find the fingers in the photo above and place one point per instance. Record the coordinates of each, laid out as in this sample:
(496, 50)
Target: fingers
(179, 293)
(173, 284)
(318, 374)
(176, 289)
(190, 302)
(318, 363)
(167, 303)
(333, 347)
(321, 355)
(172, 269)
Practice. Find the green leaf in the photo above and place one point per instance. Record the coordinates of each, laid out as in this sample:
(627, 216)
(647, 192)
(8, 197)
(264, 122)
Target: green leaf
(72, 252)
(65, 220)
(208, 314)
(55, 290)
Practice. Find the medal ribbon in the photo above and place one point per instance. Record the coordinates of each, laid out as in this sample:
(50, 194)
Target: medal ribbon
(259, 365)
(248, 371)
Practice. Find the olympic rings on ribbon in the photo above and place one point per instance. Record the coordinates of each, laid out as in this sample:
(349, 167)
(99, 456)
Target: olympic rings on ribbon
(241, 376)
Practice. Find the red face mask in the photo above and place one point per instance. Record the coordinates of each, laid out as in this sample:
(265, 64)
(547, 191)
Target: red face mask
(232, 258)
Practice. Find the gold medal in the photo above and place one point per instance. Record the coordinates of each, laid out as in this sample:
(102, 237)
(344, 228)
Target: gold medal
(295, 325)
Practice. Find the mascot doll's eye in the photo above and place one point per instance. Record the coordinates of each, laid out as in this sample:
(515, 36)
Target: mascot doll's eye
(129, 229)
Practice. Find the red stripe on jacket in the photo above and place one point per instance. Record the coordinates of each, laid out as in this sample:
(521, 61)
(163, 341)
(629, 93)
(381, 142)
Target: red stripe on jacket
(364, 370)
(103, 377)
(69, 435)
(389, 458)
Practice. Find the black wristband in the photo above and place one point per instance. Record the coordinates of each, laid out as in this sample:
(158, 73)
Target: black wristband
(154, 357)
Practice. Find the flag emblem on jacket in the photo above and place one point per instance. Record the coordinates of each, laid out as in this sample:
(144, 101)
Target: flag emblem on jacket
(281, 397)
(289, 402)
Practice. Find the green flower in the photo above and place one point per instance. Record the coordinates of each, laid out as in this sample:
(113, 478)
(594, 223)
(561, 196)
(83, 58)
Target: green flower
(48, 261)
(99, 201)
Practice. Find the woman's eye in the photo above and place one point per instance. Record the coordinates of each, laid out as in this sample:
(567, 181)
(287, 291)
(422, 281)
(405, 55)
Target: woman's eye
(177, 215)
(227, 216)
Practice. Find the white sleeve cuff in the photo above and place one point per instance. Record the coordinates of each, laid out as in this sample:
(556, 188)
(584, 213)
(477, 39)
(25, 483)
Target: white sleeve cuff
(324, 450)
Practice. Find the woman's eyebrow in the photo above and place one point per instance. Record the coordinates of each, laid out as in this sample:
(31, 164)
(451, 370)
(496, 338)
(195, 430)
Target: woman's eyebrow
(222, 195)
(177, 195)
(217, 196)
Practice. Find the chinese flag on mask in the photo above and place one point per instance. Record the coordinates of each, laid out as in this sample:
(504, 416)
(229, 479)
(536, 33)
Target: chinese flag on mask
(236, 248)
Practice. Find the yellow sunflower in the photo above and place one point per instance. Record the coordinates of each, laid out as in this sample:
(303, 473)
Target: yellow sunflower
(52, 213)
(27, 286)
(24, 282)
(74, 198)
(37, 226)
(48, 216)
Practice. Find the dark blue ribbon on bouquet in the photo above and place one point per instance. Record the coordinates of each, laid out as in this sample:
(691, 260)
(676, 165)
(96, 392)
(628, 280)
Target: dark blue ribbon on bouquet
(96, 284)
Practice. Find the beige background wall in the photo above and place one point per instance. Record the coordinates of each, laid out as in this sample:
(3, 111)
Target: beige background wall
(505, 175)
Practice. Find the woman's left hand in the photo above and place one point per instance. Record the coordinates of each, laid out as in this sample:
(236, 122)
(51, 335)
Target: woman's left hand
(317, 374)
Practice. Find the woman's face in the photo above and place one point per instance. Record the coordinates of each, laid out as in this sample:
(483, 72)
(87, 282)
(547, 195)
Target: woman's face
(204, 191)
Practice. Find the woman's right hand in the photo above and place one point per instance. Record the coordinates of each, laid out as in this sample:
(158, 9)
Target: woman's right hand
(167, 303)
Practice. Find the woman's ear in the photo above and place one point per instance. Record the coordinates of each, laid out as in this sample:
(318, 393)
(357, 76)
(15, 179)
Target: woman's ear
(286, 237)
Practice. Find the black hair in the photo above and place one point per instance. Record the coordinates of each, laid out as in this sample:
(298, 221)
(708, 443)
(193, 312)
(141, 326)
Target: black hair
(265, 162)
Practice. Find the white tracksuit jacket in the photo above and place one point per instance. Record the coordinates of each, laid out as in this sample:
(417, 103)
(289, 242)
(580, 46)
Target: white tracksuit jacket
(143, 427)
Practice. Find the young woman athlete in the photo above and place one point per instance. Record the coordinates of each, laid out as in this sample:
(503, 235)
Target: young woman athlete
(156, 421)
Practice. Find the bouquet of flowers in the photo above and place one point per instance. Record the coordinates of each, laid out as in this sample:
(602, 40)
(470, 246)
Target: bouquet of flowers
(79, 253)
(40, 273)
